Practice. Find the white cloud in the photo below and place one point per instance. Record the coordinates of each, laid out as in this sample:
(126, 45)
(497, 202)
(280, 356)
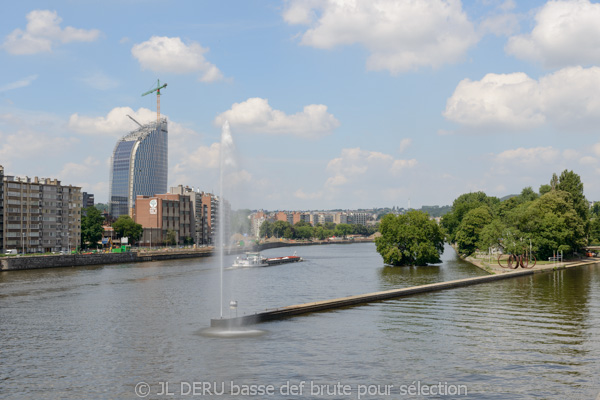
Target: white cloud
(33, 146)
(400, 36)
(535, 156)
(500, 25)
(358, 165)
(404, 144)
(76, 173)
(567, 98)
(165, 54)
(588, 160)
(43, 32)
(19, 84)
(570, 154)
(508, 100)
(202, 157)
(565, 33)
(116, 123)
(256, 115)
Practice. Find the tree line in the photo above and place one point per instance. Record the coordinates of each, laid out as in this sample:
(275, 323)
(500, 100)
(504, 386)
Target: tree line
(304, 230)
(555, 218)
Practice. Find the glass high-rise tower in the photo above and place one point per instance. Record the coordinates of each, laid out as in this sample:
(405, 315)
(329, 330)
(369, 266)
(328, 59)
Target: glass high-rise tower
(139, 166)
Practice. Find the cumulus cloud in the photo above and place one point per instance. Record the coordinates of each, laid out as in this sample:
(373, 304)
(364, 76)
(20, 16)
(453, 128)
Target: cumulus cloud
(567, 98)
(400, 36)
(39, 145)
(165, 54)
(255, 115)
(534, 155)
(565, 33)
(115, 123)
(76, 172)
(43, 32)
(357, 165)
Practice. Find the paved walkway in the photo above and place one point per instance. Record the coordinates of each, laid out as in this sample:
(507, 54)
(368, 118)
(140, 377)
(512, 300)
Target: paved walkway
(493, 267)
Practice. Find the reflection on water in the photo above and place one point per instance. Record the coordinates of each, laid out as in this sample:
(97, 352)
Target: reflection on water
(234, 333)
(96, 332)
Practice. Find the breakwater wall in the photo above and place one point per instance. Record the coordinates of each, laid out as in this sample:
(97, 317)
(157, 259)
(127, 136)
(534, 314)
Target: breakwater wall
(78, 260)
(324, 305)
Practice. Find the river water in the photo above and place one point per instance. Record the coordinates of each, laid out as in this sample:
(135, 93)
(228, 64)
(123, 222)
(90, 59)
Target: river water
(105, 332)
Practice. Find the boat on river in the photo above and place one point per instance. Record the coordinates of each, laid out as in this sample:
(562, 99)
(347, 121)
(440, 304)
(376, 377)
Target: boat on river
(254, 259)
(251, 260)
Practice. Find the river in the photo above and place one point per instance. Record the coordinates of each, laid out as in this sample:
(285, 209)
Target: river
(125, 331)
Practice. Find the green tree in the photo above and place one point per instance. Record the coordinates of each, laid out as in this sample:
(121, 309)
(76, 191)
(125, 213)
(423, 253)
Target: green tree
(303, 232)
(91, 226)
(343, 230)
(491, 234)
(171, 237)
(301, 223)
(288, 233)
(570, 182)
(410, 239)
(266, 229)
(461, 206)
(545, 189)
(468, 233)
(126, 227)
(279, 228)
(551, 223)
(329, 225)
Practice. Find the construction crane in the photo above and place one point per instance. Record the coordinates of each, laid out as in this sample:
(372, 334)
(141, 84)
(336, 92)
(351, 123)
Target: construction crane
(130, 117)
(157, 90)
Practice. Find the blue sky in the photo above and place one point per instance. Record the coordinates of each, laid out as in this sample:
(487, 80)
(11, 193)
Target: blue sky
(332, 104)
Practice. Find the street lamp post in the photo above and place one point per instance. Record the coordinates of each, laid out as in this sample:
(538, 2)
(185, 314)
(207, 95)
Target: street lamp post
(23, 244)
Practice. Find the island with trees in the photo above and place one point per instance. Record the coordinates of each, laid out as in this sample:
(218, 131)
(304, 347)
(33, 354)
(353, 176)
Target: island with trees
(556, 218)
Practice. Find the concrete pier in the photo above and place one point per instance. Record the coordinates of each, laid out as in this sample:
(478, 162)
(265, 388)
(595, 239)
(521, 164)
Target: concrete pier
(289, 311)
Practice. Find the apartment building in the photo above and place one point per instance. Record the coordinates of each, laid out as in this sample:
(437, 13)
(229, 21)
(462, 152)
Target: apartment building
(40, 215)
(163, 212)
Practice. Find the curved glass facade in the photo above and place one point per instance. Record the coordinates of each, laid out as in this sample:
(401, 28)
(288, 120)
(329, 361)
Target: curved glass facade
(139, 166)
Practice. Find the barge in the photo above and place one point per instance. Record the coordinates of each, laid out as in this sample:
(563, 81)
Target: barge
(254, 259)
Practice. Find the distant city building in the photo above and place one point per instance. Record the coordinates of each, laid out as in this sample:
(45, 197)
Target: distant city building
(256, 221)
(359, 218)
(323, 218)
(340, 218)
(281, 216)
(40, 215)
(139, 167)
(88, 199)
(314, 219)
(163, 212)
(2, 209)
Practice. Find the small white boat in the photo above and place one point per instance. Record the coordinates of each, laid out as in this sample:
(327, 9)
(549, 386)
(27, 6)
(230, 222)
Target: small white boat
(251, 260)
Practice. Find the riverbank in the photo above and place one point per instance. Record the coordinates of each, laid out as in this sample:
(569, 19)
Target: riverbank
(490, 265)
(15, 263)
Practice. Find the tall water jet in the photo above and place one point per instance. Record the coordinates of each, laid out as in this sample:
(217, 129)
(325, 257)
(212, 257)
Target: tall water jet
(227, 164)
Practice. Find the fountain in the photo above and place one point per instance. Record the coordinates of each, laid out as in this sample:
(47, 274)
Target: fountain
(228, 165)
